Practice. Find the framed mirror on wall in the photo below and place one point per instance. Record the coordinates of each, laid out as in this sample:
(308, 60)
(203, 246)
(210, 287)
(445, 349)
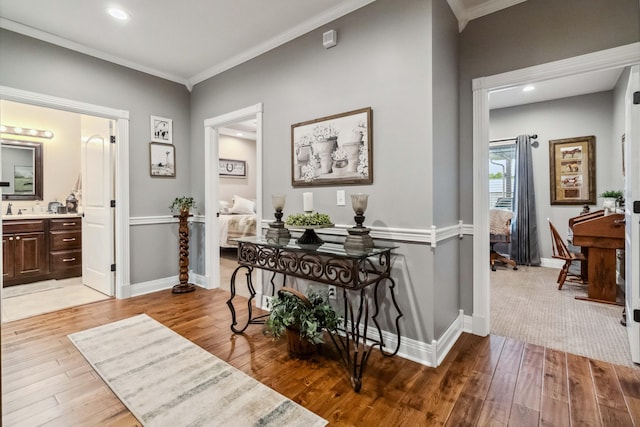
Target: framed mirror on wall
(22, 169)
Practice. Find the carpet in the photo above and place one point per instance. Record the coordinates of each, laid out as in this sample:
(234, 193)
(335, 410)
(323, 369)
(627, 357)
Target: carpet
(166, 380)
(527, 305)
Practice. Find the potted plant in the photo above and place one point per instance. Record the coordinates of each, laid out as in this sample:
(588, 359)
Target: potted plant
(303, 318)
(612, 199)
(182, 205)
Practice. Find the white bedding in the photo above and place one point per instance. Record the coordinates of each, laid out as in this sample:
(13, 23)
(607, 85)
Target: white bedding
(234, 226)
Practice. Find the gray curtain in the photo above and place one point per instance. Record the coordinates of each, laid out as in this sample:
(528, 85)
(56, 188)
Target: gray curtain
(524, 225)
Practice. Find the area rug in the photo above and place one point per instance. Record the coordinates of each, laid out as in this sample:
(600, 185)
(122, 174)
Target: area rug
(166, 380)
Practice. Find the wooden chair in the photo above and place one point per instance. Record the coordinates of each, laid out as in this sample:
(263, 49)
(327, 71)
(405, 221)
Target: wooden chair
(561, 251)
(500, 232)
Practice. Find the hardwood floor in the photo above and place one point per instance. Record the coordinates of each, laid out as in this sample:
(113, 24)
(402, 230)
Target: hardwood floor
(483, 381)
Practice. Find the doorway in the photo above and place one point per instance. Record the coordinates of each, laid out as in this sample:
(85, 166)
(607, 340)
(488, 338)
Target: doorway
(617, 57)
(117, 176)
(217, 130)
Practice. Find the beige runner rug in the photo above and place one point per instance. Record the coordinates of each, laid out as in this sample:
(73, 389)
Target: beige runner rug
(166, 380)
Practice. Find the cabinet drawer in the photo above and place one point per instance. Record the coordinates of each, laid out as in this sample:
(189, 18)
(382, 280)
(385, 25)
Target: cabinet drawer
(63, 260)
(22, 226)
(64, 240)
(65, 224)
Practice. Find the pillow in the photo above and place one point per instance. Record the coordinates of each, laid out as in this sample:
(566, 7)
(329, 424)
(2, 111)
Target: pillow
(243, 206)
(224, 206)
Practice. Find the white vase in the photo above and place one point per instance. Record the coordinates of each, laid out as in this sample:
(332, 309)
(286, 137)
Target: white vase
(609, 205)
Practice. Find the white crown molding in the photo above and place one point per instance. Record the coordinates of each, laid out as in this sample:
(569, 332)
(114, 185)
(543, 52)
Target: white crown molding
(489, 7)
(68, 44)
(465, 14)
(458, 9)
(342, 9)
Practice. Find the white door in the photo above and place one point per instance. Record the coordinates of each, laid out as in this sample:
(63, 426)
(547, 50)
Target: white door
(632, 219)
(97, 193)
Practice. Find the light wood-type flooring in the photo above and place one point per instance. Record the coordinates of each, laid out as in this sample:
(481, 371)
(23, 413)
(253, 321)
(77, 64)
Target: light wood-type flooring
(483, 381)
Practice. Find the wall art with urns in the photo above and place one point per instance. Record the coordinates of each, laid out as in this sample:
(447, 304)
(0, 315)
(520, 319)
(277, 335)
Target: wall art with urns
(333, 150)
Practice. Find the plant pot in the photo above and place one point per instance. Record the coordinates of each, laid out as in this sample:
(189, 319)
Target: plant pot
(300, 348)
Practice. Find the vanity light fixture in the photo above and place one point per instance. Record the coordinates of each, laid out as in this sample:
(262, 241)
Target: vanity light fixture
(35, 133)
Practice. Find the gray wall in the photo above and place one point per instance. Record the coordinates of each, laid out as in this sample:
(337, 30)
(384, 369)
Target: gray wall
(382, 60)
(563, 118)
(527, 34)
(445, 154)
(33, 65)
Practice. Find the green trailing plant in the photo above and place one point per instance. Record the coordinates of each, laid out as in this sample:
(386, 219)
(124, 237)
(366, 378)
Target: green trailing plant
(311, 319)
(308, 219)
(613, 194)
(182, 204)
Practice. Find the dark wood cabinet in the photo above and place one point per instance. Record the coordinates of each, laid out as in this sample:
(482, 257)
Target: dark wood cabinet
(24, 250)
(40, 249)
(65, 247)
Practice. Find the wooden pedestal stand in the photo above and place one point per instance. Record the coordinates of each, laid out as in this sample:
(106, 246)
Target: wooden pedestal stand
(183, 231)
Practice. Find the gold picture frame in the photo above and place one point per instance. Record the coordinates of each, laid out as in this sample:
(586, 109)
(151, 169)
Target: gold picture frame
(572, 164)
(333, 150)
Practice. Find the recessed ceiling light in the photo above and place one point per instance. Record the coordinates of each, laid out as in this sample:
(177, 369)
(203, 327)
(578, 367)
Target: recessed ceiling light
(528, 88)
(118, 13)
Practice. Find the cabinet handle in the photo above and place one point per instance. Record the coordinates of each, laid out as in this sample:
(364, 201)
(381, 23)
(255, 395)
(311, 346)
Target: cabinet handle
(68, 259)
(17, 237)
(10, 238)
(69, 239)
(67, 224)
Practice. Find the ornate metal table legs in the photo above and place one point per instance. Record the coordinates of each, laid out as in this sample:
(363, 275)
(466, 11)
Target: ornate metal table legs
(352, 342)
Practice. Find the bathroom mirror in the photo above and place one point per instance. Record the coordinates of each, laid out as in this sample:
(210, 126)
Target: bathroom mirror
(22, 169)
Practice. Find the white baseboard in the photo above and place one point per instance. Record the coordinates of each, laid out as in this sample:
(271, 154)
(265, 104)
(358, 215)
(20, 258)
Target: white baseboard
(551, 263)
(162, 284)
(428, 354)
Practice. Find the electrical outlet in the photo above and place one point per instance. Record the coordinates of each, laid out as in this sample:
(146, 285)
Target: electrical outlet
(332, 292)
(341, 198)
(266, 302)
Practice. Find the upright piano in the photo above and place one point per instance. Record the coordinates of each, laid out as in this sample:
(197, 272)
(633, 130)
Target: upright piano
(599, 236)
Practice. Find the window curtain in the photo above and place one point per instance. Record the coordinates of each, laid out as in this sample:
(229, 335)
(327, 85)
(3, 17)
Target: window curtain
(524, 226)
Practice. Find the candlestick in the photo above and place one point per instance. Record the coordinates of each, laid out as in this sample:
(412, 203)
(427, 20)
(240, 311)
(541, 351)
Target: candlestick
(307, 202)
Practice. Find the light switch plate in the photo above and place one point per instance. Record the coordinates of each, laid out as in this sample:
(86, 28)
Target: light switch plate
(341, 198)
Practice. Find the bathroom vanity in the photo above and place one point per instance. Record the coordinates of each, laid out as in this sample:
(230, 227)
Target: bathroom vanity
(41, 247)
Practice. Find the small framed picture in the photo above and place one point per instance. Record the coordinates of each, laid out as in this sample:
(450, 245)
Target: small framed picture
(162, 159)
(161, 130)
(232, 168)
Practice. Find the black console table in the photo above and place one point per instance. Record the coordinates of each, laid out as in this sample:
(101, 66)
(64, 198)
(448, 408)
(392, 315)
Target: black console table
(331, 264)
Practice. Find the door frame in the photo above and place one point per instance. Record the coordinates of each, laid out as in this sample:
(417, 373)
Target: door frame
(121, 117)
(211, 188)
(621, 56)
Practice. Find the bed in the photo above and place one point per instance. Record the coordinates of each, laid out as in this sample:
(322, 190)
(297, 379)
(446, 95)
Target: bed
(237, 219)
(233, 226)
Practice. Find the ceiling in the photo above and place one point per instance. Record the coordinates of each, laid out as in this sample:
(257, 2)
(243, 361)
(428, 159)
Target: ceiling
(191, 44)
(188, 44)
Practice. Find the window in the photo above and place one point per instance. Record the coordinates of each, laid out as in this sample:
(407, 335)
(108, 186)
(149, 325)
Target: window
(502, 167)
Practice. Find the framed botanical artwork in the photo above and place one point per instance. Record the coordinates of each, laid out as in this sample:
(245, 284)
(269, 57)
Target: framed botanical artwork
(161, 130)
(232, 168)
(572, 164)
(162, 158)
(333, 150)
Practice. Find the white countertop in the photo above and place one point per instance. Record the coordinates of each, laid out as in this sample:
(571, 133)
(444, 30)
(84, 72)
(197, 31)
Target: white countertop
(39, 216)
